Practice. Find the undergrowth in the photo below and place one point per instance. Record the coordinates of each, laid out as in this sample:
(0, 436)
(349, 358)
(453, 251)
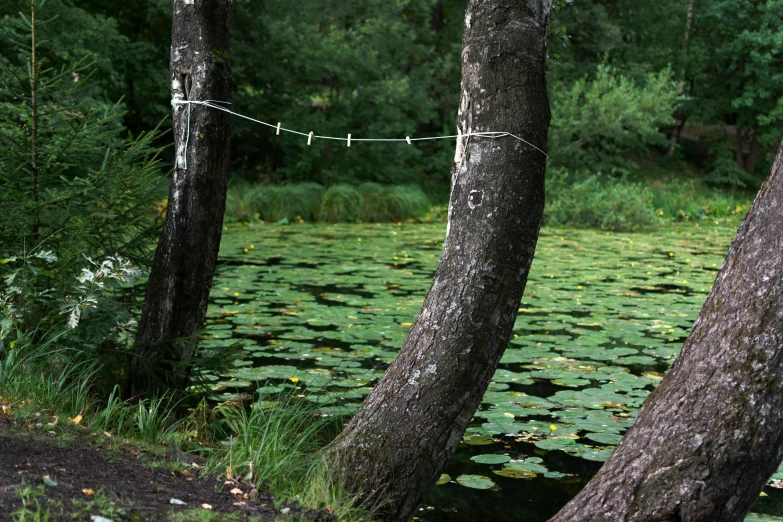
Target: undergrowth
(272, 442)
(367, 203)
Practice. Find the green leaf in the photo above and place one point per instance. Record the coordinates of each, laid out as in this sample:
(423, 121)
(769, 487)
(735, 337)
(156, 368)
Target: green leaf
(490, 459)
(475, 482)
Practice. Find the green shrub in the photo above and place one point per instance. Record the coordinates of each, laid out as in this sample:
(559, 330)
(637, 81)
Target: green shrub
(78, 218)
(595, 122)
(688, 200)
(597, 201)
(341, 203)
(392, 203)
(301, 201)
(243, 201)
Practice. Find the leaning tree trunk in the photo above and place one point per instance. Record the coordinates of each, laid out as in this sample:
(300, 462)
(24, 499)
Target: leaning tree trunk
(181, 278)
(710, 435)
(407, 429)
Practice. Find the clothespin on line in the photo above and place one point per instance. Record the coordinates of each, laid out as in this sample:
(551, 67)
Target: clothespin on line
(278, 128)
(408, 139)
(310, 137)
(349, 140)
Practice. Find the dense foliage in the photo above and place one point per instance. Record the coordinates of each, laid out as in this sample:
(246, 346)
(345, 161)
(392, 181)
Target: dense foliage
(78, 210)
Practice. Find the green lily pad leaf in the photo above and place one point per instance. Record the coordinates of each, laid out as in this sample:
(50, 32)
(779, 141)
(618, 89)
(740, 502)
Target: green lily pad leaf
(514, 473)
(554, 443)
(479, 441)
(532, 467)
(475, 481)
(755, 517)
(490, 459)
(444, 479)
(597, 456)
(554, 475)
(605, 438)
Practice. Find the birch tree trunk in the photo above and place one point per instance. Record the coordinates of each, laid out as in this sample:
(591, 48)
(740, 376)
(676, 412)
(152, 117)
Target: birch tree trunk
(707, 439)
(181, 277)
(407, 429)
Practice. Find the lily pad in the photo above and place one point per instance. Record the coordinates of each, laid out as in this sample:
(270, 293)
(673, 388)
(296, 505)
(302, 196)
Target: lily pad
(490, 459)
(444, 479)
(475, 481)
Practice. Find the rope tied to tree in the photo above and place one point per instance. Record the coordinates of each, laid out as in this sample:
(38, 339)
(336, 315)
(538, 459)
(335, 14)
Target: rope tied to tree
(213, 104)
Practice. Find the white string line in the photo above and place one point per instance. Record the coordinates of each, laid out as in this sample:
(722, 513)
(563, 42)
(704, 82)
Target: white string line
(212, 104)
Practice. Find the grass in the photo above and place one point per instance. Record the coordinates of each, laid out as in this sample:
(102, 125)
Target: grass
(272, 444)
(367, 203)
(584, 201)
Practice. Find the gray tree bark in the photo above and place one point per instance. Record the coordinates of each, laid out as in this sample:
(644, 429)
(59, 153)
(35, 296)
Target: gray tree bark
(707, 439)
(395, 447)
(181, 277)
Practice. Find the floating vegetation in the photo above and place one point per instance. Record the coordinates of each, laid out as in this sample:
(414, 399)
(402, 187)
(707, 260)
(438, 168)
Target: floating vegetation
(322, 310)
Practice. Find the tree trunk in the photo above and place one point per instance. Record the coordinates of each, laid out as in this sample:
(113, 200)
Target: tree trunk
(181, 278)
(753, 153)
(436, 17)
(681, 85)
(710, 435)
(739, 154)
(395, 447)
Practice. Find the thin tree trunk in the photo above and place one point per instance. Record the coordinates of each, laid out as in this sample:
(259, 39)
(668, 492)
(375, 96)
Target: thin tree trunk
(181, 278)
(753, 154)
(436, 17)
(711, 434)
(681, 85)
(739, 154)
(34, 76)
(407, 429)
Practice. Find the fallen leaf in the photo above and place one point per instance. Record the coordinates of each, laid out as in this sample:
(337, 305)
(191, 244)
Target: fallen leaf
(88, 492)
(77, 419)
(237, 491)
(176, 502)
(98, 518)
(107, 434)
(48, 481)
(206, 506)
(285, 511)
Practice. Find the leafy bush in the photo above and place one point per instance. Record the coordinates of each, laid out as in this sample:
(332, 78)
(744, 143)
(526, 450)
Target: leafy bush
(597, 201)
(595, 122)
(69, 176)
(688, 200)
(75, 189)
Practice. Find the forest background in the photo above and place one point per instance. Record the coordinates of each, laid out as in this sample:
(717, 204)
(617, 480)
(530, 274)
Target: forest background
(623, 77)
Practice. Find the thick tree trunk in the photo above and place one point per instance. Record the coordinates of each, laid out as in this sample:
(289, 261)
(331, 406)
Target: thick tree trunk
(675, 136)
(710, 435)
(181, 278)
(407, 429)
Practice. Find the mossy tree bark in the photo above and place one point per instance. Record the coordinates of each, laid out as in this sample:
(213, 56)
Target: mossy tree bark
(181, 277)
(395, 447)
(707, 439)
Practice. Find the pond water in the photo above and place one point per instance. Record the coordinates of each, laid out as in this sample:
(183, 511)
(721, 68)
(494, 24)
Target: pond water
(321, 311)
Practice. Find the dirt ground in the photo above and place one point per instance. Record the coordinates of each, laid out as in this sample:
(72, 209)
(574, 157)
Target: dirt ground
(96, 479)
